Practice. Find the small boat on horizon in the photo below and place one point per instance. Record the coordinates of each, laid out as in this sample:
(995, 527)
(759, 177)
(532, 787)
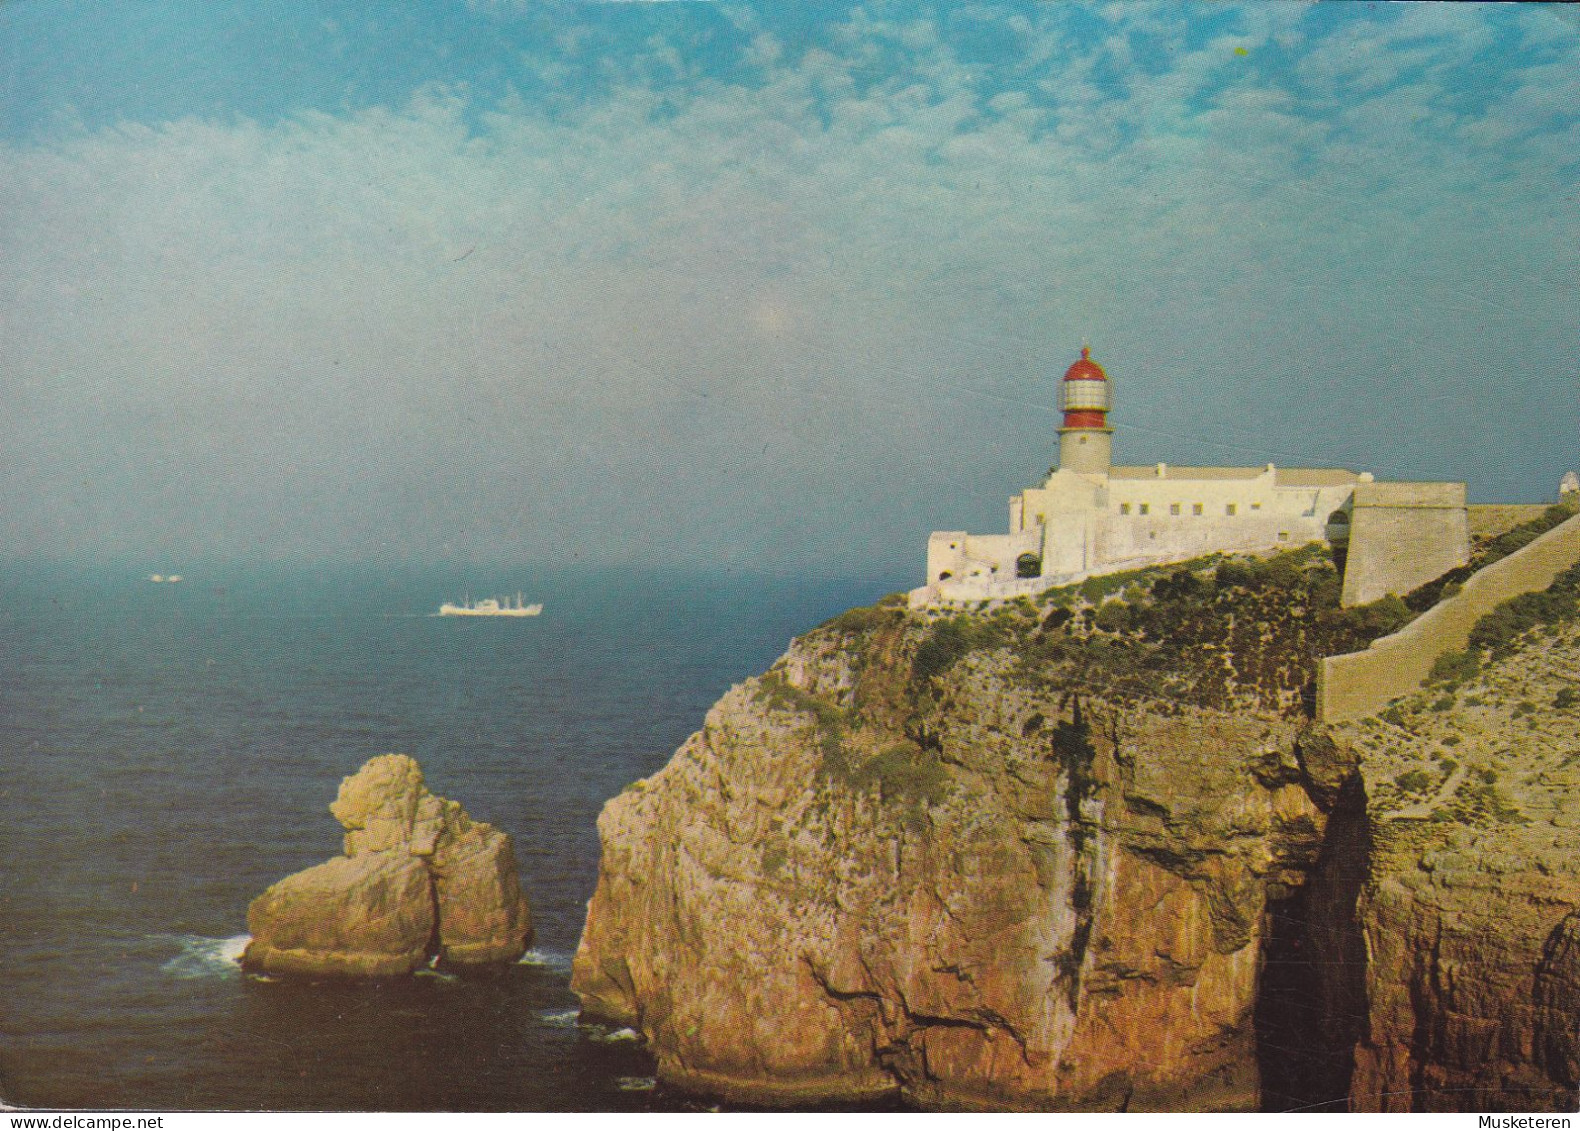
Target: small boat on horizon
(161, 579)
(490, 607)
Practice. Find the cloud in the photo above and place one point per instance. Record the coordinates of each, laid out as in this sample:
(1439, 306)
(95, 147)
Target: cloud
(802, 315)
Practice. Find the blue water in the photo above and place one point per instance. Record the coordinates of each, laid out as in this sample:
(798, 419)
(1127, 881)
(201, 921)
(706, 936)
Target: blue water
(168, 751)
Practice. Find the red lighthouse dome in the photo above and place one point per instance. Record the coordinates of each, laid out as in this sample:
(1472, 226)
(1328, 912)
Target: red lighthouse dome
(1086, 369)
(1083, 394)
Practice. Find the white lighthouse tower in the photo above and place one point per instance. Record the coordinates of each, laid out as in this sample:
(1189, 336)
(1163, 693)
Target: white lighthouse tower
(1085, 440)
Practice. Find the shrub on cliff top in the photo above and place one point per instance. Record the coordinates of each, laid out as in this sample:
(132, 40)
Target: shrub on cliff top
(1181, 585)
(1413, 781)
(1496, 633)
(779, 694)
(1232, 573)
(952, 639)
(1498, 630)
(1382, 617)
(1114, 616)
(864, 618)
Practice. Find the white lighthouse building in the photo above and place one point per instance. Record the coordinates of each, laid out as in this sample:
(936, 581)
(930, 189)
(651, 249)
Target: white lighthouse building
(1091, 516)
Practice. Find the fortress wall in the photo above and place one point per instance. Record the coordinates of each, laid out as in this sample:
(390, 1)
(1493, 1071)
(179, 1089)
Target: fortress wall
(1403, 535)
(1407, 494)
(1175, 538)
(1357, 684)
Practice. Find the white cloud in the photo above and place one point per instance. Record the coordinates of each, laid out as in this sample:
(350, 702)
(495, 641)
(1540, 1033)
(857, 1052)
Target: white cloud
(818, 316)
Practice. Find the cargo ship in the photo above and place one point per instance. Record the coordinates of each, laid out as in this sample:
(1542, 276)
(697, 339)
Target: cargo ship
(490, 607)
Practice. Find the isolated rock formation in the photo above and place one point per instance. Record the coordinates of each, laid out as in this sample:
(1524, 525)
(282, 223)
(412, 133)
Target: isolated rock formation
(1050, 858)
(370, 915)
(419, 880)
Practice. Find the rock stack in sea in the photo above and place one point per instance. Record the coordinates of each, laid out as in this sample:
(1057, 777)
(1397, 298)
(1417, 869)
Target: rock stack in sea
(419, 880)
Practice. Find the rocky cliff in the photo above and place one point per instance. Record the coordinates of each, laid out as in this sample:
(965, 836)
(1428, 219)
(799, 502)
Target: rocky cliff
(1470, 955)
(1084, 852)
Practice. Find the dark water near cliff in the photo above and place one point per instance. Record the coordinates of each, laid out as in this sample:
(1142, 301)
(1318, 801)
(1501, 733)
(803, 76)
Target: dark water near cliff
(168, 751)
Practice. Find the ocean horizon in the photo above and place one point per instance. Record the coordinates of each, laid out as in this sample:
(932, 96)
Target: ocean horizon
(167, 751)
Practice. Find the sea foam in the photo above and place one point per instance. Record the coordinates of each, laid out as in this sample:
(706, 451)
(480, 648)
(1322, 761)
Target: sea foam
(559, 1018)
(607, 1037)
(548, 959)
(203, 957)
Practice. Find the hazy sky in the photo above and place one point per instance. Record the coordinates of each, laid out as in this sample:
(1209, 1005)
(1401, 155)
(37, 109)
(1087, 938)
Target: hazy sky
(775, 284)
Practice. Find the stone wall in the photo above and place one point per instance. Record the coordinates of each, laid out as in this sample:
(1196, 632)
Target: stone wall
(1361, 683)
(1403, 535)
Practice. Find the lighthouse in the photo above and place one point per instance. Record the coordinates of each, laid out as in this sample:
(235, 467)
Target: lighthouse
(1085, 440)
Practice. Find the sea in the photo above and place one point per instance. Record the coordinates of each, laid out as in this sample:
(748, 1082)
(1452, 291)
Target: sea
(167, 751)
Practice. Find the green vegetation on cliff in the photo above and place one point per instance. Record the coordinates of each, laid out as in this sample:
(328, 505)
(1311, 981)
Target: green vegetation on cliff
(1486, 551)
(1496, 635)
(1220, 633)
(1216, 632)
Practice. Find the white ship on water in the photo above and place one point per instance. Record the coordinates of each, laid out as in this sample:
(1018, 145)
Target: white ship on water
(490, 607)
(161, 579)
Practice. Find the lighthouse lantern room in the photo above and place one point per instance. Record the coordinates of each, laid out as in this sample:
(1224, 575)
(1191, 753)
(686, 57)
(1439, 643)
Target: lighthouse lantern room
(1085, 440)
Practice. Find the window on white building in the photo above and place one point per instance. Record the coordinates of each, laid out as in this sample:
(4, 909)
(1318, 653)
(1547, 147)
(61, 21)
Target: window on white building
(1229, 508)
(1256, 506)
(1174, 508)
(1124, 508)
(1146, 508)
(1195, 508)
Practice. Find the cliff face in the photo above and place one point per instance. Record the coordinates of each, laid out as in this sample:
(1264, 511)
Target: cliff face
(1468, 913)
(1046, 858)
(991, 894)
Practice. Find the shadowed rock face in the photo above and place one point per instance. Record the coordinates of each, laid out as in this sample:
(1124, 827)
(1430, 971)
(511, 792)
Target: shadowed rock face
(419, 879)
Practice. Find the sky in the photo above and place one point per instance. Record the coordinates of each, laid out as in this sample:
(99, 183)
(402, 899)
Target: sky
(776, 286)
